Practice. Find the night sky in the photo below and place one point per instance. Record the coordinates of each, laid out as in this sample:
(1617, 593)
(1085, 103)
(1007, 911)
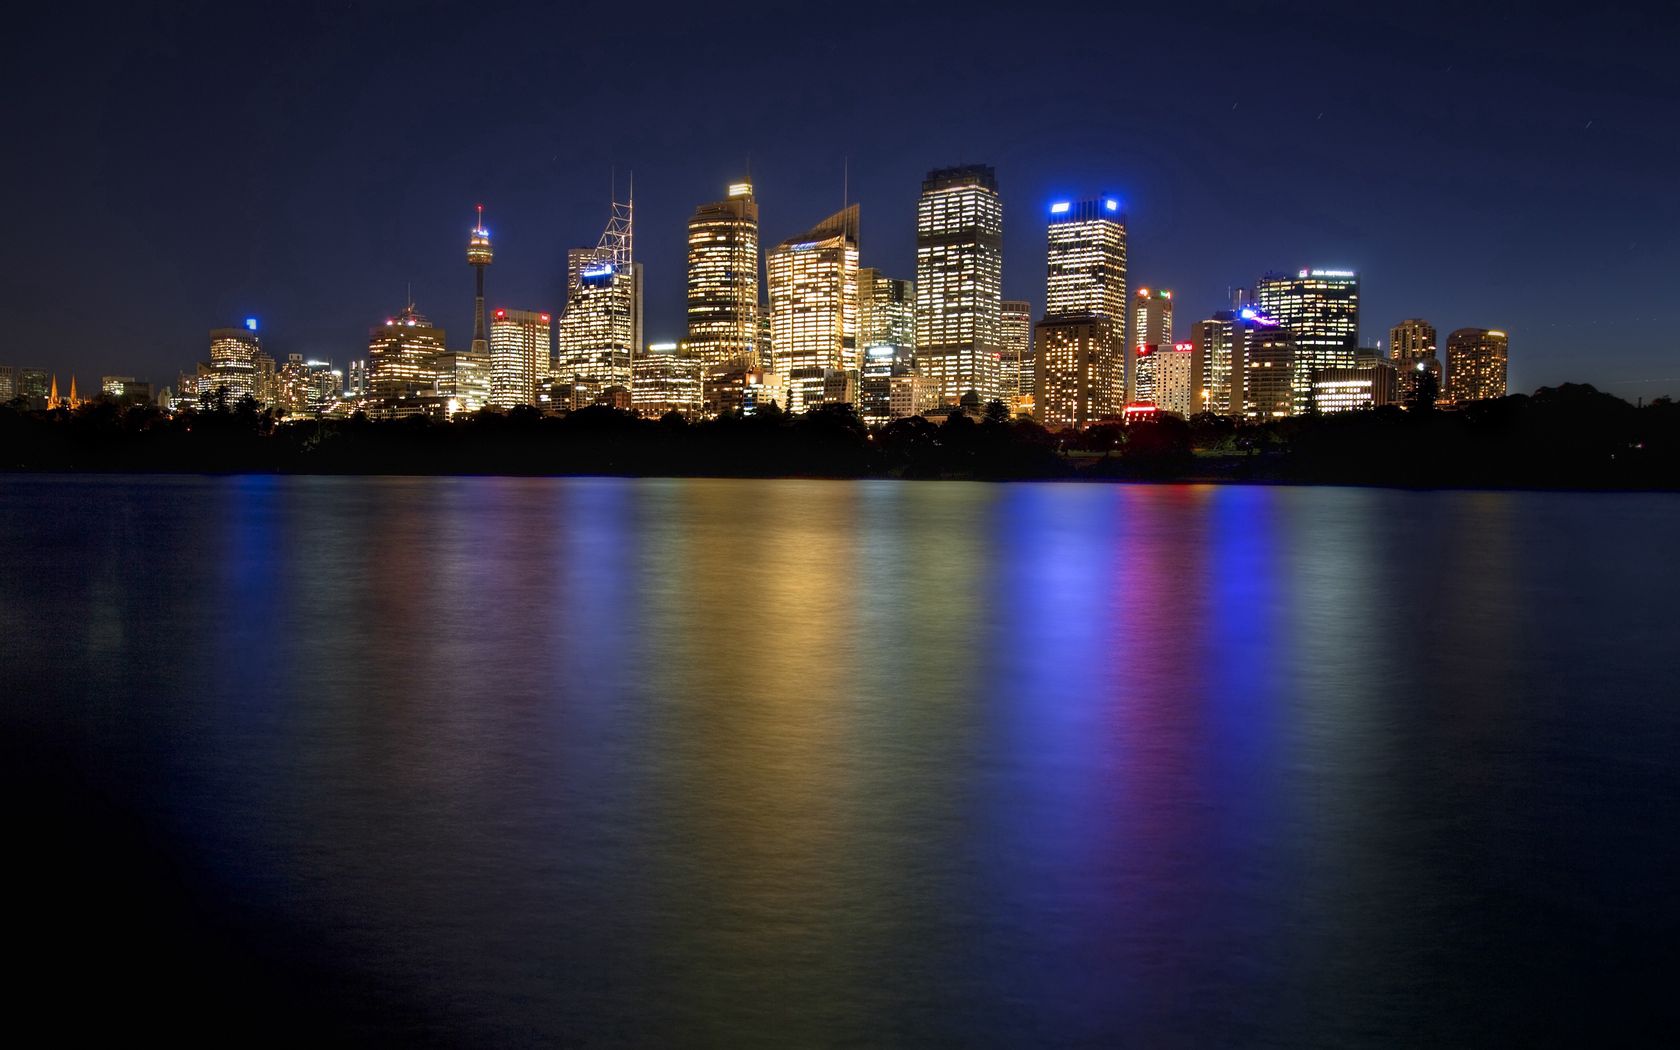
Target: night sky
(176, 168)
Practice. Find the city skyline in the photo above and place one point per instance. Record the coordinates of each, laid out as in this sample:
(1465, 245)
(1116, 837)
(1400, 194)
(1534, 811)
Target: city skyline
(1461, 247)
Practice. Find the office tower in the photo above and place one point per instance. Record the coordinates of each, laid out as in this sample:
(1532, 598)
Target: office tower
(1079, 364)
(1411, 340)
(265, 383)
(356, 379)
(293, 381)
(1369, 383)
(8, 383)
(887, 333)
(1218, 343)
(814, 311)
(887, 313)
(1087, 261)
(519, 356)
(1077, 371)
(32, 387)
(602, 322)
(1141, 378)
(1151, 326)
(1320, 308)
(1269, 370)
(1477, 360)
(233, 362)
(1015, 365)
(666, 379)
(959, 281)
(723, 282)
(463, 381)
(478, 257)
(403, 364)
(1177, 379)
(1416, 355)
(325, 386)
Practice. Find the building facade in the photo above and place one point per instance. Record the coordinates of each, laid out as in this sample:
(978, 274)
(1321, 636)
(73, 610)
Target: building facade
(666, 379)
(1152, 325)
(520, 343)
(723, 296)
(814, 312)
(1320, 309)
(404, 361)
(959, 281)
(601, 326)
(1079, 359)
(1015, 370)
(1478, 360)
(1077, 374)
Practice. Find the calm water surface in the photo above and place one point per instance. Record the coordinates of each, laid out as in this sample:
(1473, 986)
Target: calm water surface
(484, 760)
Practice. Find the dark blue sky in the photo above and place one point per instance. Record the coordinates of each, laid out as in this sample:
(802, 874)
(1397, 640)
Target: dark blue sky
(181, 167)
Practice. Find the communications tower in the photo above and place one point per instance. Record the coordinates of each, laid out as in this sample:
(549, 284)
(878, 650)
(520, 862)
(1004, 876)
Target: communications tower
(478, 256)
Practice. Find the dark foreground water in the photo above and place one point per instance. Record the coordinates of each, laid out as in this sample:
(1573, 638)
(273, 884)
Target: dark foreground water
(869, 763)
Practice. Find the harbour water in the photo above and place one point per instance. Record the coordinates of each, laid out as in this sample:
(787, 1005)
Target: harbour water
(665, 762)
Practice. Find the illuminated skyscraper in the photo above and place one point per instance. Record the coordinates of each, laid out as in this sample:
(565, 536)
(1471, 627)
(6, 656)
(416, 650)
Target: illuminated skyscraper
(1320, 308)
(1015, 365)
(814, 307)
(519, 356)
(1416, 356)
(1477, 360)
(1177, 379)
(959, 281)
(1087, 261)
(478, 257)
(1076, 371)
(1080, 358)
(887, 313)
(602, 323)
(403, 363)
(1151, 326)
(723, 282)
(233, 361)
(1411, 340)
(667, 379)
(1269, 372)
(887, 330)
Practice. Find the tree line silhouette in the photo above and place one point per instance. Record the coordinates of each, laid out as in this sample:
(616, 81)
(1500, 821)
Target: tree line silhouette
(1571, 436)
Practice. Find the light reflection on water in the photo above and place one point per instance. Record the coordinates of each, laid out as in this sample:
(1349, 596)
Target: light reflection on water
(871, 762)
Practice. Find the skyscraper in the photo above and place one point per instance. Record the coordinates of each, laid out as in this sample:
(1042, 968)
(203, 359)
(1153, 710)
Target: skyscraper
(1477, 360)
(1320, 308)
(887, 313)
(1080, 361)
(403, 363)
(1269, 370)
(814, 308)
(1076, 371)
(519, 356)
(602, 322)
(723, 282)
(478, 257)
(959, 281)
(1177, 379)
(1415, 353)
(1015, 365)
(887, 332)
(1151, 326)
(233, 361)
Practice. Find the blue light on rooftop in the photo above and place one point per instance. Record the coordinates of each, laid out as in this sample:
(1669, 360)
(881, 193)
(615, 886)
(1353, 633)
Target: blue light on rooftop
(251, 323)
(1111, 204)
(1059, 208)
